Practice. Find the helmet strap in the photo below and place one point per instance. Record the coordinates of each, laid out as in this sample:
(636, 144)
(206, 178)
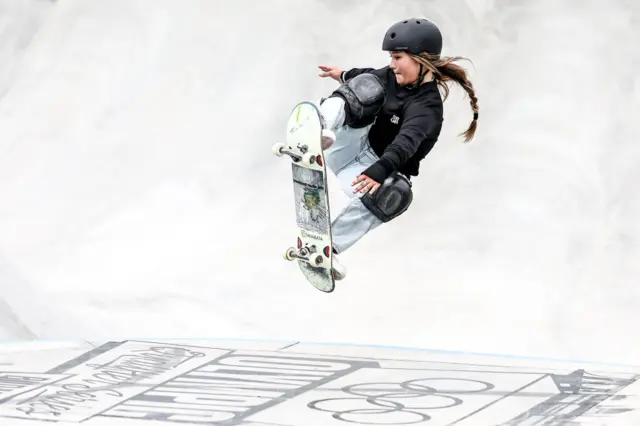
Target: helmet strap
(421, 76)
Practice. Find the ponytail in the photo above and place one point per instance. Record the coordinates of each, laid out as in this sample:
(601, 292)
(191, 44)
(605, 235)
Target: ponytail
(444, 70)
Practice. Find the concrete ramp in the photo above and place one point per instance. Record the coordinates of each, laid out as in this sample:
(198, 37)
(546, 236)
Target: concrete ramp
(291, 383)
(20, 22)
(143, 220)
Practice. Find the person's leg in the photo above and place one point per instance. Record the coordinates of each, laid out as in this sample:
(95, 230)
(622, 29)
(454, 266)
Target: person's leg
(348, 155)
(346, 142)
(355, 220)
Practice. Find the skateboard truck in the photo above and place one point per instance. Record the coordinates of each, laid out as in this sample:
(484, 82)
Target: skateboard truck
(307, 158)
(306, 254)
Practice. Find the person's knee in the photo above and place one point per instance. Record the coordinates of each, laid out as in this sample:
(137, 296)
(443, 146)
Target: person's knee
(332, 110)
(391, 199)
(364, 96)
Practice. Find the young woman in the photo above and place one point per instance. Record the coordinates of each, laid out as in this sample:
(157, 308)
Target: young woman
(382, 122)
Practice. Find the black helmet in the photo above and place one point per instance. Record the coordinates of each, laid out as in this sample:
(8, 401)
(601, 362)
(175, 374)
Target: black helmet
(413, 35)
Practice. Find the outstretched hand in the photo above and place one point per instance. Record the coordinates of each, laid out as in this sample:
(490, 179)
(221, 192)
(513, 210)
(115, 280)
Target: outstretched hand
(330, 71)
(365, 184)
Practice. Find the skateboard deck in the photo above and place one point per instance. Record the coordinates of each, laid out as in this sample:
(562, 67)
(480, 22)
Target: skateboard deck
(303, 145)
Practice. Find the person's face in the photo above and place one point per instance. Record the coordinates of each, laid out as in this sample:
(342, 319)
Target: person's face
(405, 68)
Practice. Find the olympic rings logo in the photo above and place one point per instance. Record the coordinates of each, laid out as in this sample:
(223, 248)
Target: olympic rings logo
(382, 403)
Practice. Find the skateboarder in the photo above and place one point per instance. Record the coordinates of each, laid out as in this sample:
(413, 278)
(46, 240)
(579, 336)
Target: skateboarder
(382, 122)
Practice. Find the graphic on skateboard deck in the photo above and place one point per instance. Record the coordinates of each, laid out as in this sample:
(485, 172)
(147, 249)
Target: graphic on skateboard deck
(311, 199)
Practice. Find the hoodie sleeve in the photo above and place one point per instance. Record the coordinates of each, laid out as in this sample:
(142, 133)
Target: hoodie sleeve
(421, 124)
(378, 72)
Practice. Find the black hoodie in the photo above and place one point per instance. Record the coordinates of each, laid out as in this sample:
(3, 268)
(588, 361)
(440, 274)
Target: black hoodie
(406, 128)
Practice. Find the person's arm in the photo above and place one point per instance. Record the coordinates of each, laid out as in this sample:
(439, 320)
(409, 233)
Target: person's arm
(381, 73)
(420, 121)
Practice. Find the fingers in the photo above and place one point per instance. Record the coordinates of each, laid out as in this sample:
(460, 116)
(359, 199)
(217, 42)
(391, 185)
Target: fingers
(328, 71)
(359, 179)
(363, 187)
(373, 188)
(366, 184)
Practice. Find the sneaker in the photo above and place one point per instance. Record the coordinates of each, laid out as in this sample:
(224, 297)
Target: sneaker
(328, 138)
(339, 271)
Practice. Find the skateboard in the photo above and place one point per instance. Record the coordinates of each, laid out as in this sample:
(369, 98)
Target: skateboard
(303, 146)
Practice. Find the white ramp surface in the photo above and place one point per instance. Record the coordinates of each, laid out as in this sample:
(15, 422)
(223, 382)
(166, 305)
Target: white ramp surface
(143, 220)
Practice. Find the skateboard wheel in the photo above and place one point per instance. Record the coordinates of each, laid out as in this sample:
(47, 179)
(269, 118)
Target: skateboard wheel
(316, 260)
(308, 159)
(277, 149)
(289, 253)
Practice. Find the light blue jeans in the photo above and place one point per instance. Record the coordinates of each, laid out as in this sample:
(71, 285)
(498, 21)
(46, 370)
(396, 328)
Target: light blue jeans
(347, 158)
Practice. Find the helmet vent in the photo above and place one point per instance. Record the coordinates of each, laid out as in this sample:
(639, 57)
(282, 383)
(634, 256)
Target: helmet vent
(393, 35)
(404, 22)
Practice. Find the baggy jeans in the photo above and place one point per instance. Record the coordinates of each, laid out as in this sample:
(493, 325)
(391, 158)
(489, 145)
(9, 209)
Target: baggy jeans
(347, 158)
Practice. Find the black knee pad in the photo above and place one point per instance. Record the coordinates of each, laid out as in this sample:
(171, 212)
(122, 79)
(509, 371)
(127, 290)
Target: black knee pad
(391, 199)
